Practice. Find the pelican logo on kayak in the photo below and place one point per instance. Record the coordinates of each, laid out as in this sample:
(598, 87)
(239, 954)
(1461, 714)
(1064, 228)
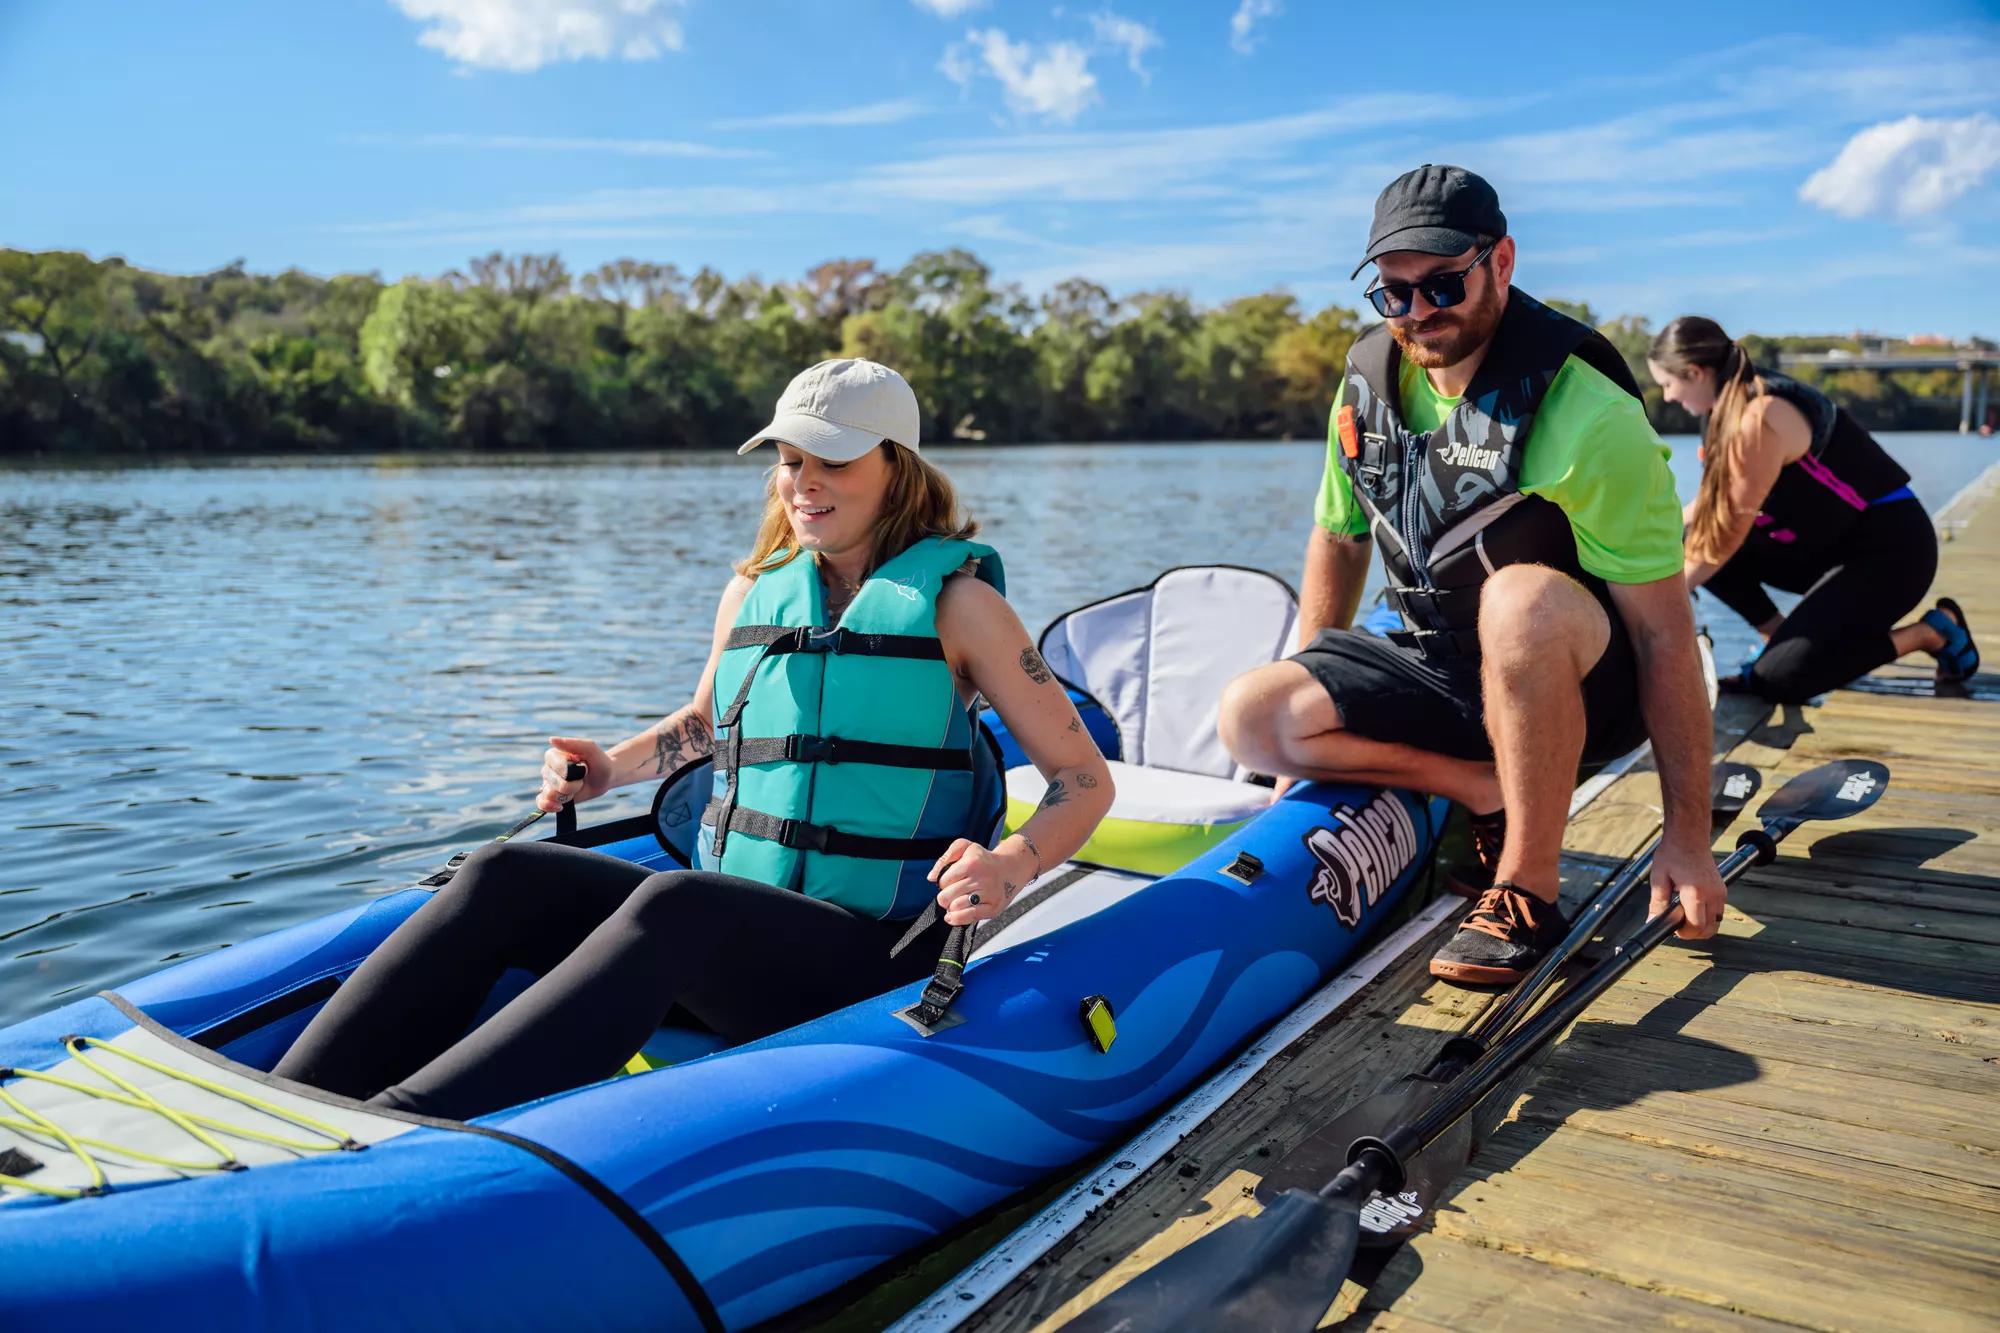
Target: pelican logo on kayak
(1737, 786)
(1456, 453)
(1361, 856)
(1856, 788)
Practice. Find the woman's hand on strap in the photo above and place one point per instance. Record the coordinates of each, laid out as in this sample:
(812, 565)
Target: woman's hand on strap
(975, 883)
(558, 789)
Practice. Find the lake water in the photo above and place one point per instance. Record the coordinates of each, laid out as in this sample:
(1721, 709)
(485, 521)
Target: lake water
(233, 697)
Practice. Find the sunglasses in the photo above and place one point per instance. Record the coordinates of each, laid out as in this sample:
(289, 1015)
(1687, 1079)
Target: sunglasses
(1442, 290)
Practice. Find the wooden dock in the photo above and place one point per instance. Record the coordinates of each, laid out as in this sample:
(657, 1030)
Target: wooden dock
(1796, 1124)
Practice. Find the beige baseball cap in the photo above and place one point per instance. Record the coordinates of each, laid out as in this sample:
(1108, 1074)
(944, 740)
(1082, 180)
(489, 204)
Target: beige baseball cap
(839, 410)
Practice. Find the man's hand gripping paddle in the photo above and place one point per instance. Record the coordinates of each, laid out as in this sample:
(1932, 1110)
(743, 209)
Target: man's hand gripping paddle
(1282, 1268)
(1390, 1221)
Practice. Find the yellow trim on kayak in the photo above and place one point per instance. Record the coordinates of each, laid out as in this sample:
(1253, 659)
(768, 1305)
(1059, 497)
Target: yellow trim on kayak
(1138, 844)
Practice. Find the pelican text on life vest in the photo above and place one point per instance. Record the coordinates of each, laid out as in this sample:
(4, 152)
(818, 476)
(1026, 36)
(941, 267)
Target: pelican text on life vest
(1457, 453)
(1361, 855)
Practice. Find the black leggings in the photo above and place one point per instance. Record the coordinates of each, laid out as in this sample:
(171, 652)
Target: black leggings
(616, 948)
(1840, 630)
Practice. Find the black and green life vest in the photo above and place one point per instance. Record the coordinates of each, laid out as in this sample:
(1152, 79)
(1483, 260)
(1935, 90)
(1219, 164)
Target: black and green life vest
(1446, 505)
(845, 762)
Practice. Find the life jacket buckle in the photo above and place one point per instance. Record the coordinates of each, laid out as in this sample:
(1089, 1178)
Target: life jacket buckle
(1372, 465)
(802, 836)
(812, 749)
(824, 640)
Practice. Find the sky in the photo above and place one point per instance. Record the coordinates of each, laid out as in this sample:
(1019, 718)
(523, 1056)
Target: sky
(1784, 167)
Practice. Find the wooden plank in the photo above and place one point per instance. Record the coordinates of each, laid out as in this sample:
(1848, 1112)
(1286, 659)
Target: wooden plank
(1473, 1287)
(1934, 1064)
(1585, 1202)
(1827, 1002)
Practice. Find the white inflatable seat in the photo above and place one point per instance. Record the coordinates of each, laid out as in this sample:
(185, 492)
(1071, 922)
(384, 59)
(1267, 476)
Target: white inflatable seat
(1157, 795)
(1160, 820)
(1157, 658)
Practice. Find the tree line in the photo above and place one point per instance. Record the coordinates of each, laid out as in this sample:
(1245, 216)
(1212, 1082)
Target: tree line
(517, 352)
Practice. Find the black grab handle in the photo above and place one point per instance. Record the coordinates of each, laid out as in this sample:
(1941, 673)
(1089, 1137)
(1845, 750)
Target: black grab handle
(566, 815)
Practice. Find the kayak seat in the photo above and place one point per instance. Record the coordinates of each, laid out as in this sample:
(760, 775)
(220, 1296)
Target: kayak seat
(671, 1045)
(1161, 819)
(1157, 658)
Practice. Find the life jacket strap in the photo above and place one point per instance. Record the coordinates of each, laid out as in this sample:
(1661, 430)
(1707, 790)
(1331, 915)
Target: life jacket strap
(1441, 644)
(777, 639)
(725, 816)
(835, 750)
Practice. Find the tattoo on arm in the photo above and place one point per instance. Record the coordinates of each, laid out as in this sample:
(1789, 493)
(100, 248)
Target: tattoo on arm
(674, 746)
(1073, 727)
(1011, 887)
(1054, 796)
(1037, 669)
(1085, 781)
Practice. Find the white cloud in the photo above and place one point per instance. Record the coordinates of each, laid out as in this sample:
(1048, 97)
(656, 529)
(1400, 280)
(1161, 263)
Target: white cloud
(1243, 23)
(872, 113)
(1230, 161)
(1907, 168)
(523, 35)
(1128, 35)
(540, 143)
(1053, 82)
(948, 9)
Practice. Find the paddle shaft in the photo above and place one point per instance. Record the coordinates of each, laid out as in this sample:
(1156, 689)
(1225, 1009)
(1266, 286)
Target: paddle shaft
(1468, 1046)
(565, 816)
(1379, 1158)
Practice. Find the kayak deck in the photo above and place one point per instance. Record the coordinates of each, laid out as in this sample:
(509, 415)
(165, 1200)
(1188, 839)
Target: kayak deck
(1790, 1126)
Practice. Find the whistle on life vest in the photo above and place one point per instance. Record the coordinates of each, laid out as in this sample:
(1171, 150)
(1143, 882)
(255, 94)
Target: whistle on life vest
(1349, 433)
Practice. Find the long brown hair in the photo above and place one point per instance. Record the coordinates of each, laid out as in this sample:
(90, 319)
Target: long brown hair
(1695, 341)
(920, 503)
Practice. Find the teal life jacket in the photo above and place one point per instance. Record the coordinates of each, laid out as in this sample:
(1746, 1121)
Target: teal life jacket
(845, 762)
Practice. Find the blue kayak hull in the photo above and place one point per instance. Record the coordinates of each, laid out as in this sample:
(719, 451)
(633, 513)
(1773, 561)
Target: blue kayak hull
(730, 1189)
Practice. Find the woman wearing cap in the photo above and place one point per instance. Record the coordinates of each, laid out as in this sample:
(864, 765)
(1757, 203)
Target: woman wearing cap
(851, 791)
(1796, 495)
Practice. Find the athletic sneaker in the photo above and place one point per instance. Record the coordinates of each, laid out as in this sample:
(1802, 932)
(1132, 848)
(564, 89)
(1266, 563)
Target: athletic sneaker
(1502, 938)
(1959, 658)
(1489, 834)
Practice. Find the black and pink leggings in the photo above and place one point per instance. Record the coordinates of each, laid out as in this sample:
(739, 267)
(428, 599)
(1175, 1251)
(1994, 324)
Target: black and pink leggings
(1840, 630)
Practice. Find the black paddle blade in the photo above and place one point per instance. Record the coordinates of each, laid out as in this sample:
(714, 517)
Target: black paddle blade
(1386, 1219)
(1278, 1270)
(1730, 787)
(1831, 791)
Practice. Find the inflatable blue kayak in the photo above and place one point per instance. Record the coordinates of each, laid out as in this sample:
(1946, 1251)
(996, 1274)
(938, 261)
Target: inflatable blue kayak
(153, 1175)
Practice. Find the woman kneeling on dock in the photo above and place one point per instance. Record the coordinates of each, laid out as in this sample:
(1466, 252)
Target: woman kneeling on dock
(1796, 495)
(851, 789)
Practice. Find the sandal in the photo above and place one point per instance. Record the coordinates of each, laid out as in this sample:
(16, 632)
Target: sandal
(1959, 658)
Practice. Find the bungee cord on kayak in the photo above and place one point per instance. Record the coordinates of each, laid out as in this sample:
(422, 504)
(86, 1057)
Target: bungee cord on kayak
(43, 1124)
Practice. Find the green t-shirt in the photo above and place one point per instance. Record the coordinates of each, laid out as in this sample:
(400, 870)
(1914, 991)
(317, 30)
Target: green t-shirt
(1592, 453)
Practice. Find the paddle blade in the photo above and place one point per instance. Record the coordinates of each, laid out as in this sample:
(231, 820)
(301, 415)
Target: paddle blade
(1386, 1219)
(1277, 1270)
(1831, 791)
(1730, 787)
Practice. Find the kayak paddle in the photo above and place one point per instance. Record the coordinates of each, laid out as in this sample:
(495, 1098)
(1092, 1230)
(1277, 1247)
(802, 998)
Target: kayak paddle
(1325, 1150)
(565, 826)
(1282, 1268)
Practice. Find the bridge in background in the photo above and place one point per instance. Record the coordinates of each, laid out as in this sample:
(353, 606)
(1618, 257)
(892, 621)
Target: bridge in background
(1975, 366)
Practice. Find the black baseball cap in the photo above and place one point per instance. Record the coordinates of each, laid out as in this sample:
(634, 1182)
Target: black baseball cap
(1435, 210)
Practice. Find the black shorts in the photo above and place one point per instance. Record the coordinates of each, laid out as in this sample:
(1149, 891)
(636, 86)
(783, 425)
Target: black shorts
(1387, 693)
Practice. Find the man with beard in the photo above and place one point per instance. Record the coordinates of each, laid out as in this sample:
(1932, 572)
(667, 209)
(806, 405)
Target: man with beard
(1499, 454)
